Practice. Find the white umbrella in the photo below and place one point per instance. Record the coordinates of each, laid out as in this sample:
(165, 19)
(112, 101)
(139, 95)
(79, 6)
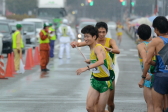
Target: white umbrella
(140, 21)
(144, 21)
(167, 16)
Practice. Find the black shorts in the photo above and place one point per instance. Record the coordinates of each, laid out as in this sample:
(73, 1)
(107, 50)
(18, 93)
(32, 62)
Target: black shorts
(160, 83)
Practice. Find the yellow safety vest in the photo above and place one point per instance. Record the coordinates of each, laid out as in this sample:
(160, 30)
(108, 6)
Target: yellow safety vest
(46, 40)
(53, 37)
(14, 36)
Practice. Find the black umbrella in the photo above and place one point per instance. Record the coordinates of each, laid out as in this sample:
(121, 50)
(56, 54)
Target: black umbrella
(163, 53)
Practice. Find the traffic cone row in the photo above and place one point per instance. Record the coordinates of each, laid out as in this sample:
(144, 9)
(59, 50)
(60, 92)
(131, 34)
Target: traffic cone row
(30, 62)
(10, 68)
(36, 56)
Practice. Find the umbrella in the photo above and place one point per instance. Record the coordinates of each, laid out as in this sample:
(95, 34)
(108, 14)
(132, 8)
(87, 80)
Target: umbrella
(152, 18)
(167, 16)
(142, 21)
(163, 53)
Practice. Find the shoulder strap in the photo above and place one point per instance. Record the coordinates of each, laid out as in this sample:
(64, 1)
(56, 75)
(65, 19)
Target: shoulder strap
(146, 43)
(165, 40)
(107, 43)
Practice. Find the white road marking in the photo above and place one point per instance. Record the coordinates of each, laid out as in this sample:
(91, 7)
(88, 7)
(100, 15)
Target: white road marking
(57, 46)
(136, 55)
(133, 50)
(116, 68)
(121, 50)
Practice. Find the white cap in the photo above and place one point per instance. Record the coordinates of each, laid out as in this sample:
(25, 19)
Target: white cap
(65, 21)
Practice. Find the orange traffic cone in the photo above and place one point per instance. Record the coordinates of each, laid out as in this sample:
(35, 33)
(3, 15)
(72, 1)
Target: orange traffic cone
(2, 71)
(36, 56)
(8, 72)
(31, 58)
(28, 61)
(12, 64)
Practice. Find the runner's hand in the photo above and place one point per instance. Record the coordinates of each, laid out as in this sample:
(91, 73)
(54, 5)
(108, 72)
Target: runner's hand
(73, 44)
(141, 83)
(108, 49)
(79, 71)
(148, 77)
(87, 61)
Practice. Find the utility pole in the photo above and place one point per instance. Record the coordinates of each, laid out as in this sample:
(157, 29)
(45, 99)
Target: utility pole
(156, 7)
(4, 7)
(166, 7)
(130, 7)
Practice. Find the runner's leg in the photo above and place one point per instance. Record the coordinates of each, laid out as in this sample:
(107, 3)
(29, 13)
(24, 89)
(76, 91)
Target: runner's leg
(92, 98)
(148, 98)
(102, 101)
(111, 105)
(165, 101)
(157, 101)
(120, 39)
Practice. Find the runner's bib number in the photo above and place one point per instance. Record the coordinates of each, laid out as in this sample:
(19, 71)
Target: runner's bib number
(94, 70)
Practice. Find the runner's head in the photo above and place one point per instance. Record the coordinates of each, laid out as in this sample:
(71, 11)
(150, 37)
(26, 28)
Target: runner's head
(102, 29)
(90, 34)
(160, 24)
(144, 32)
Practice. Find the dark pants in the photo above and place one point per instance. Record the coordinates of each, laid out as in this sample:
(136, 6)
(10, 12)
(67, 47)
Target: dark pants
(52, 42)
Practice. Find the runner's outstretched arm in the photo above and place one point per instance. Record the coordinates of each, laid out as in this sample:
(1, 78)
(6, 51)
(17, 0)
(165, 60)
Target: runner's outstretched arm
(114, 47)
(100, 55)
(78, 44)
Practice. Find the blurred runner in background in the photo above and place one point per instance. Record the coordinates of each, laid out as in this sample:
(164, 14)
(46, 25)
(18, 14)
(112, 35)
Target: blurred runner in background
(119, 30)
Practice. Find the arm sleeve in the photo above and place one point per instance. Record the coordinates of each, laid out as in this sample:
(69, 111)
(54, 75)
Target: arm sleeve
(71, 33)
(59, 33)
(18, 41)
(42, 36)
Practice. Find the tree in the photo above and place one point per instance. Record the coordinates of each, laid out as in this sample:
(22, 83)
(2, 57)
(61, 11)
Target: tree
(21, 6)
(144, 7)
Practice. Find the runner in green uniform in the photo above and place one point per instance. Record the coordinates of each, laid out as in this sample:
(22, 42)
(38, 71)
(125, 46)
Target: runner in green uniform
(112, 48)
(100, 78)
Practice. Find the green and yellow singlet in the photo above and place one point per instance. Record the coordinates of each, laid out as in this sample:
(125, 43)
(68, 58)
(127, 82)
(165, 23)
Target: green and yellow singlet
(101, 71)
(112, 55)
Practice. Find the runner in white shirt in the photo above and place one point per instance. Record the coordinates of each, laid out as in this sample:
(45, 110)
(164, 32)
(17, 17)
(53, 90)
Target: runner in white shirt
(65, 34)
